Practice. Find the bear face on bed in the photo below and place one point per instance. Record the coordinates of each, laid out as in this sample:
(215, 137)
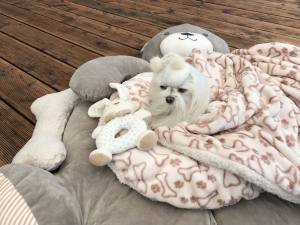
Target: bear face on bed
(182, 39)
(184, 42)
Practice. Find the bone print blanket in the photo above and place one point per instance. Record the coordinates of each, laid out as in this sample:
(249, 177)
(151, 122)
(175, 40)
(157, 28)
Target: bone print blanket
(246, 143)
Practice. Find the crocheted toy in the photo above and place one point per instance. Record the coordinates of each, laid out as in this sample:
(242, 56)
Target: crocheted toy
(121, 127)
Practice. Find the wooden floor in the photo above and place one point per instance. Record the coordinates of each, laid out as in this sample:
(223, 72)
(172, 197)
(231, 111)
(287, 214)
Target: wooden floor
(42, 42)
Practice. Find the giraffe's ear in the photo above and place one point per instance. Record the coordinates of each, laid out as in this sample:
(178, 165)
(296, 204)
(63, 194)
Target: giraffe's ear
(97, 109)
(156, 64)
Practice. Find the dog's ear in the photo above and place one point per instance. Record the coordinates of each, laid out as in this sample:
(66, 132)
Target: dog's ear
(156, 64)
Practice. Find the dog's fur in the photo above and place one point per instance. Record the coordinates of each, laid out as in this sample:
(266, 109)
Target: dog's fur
(187, 86)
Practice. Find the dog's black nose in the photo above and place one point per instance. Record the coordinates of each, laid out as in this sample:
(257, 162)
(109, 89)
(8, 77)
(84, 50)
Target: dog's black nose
(170, 99)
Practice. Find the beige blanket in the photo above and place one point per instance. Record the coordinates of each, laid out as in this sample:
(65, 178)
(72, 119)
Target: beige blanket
(248, 142)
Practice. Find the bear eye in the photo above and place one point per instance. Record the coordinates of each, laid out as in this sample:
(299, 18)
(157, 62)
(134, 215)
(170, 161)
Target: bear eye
(162, 87)
(182, 90)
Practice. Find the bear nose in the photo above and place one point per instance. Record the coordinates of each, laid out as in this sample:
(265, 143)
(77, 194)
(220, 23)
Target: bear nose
(170, 99)
(187, 34)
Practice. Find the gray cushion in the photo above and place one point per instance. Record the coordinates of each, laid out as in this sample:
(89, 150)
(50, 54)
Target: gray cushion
(266, 209)
(91, 80)
(101, 196)
(46, 195)
(152, 48)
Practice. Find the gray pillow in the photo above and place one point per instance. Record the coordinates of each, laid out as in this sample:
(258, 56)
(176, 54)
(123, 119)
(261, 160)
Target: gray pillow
(152, 47)
(91, 80)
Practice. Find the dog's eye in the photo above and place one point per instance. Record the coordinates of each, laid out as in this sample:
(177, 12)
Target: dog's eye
(162, 87)
(182, 90)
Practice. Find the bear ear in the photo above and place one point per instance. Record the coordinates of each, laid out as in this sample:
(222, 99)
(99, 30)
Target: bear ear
(177, 62)
(156, 64)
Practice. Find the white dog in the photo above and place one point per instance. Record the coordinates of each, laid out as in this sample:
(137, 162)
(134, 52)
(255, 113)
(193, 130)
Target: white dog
(178, 91)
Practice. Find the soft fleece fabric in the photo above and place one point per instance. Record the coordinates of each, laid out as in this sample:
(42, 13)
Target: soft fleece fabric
(251, 143)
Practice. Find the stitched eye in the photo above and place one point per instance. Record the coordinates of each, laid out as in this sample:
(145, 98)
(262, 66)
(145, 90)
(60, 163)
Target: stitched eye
(162, 87)
(182, 90)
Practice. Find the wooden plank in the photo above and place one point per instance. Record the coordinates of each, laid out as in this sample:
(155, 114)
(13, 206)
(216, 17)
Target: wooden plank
(14, 133)
(19, 89)
(62, 50)
(274, 19)
(243, 12)
(256, 7)
(242, 27)
(281, 5)
(286, 1)
(99, 14)
(67, 5)
(77, 36)
(127, 12)
(292, 7)
(194, 3)
(147, 16)
(131, 25)
(164, 14)
(101, 29)
(215, 13)
(32, 61)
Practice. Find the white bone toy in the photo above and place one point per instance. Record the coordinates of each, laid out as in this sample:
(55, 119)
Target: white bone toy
(121, 127)
(45, 149)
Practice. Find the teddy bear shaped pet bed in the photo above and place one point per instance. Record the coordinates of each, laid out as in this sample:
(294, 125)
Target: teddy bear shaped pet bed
(250, 146)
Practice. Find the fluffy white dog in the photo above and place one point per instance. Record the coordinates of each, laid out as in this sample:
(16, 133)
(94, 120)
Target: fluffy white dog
(178, 91)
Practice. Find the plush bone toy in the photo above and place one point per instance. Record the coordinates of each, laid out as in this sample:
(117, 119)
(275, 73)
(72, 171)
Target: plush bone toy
(45, 149)
(121, 127)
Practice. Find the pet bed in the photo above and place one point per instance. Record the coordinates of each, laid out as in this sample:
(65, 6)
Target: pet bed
(79, 193)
